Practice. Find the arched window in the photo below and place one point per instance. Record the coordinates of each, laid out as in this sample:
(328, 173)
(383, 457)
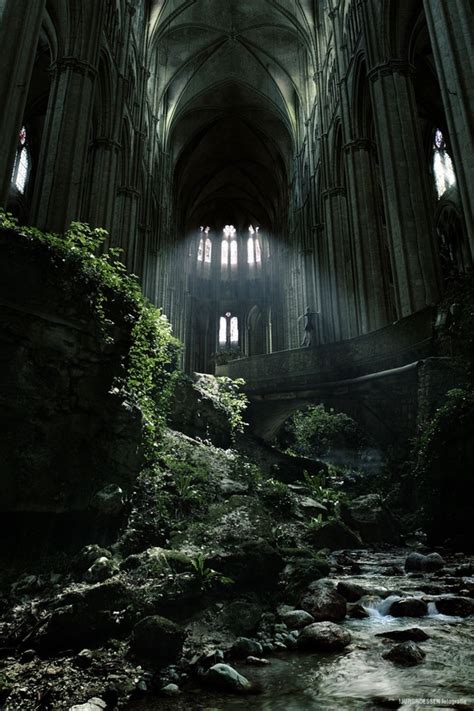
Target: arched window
(21, 167)
(443, 168)
(208, 251)
(229, 250)
(200, 249)
(254, 250)
(228, 330)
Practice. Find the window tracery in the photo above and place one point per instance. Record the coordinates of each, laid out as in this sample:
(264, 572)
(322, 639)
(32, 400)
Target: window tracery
(443, 168)
(21, 167)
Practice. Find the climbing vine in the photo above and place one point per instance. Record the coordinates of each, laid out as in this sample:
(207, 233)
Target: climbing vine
(115, 297)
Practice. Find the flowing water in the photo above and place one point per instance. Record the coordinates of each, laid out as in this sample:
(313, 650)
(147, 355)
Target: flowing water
(359, 678)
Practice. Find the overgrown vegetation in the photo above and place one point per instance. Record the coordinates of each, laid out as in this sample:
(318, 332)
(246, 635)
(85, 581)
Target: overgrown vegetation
(317, 432)
(226, 395)
(444, 457)
(456, 334)
(151, 365)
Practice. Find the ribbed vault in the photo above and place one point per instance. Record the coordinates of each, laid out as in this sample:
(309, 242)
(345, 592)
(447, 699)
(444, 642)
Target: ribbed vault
(229, 93)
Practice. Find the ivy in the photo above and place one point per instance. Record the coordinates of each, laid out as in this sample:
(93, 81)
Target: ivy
(226, 395)
(150, 368)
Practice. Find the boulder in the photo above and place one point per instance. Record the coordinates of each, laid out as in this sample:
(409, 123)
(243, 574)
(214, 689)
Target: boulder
(370, 517)
(350, 591)
(226, 678)
(88, 555)
(100, 570)
(245, 647)
(324, 637)
(410, 634)
(455, 605)
(157, 638)
(334, 535)
(296, 619)
(323, 602)
(357, 611)
(419, 563)
(408, 607)
(76, 627)
(407, 654)
(94, 704)
(109, 501)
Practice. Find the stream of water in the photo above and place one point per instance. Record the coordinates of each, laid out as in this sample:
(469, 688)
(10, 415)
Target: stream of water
(359, 678)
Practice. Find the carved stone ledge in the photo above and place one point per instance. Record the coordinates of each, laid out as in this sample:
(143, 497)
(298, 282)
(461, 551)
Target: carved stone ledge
(359, 144)
(393, 66)
(73, 64)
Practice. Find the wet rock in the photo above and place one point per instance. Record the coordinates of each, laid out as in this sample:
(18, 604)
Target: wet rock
(202, 661)
(226, 678)
(357, 611)
(392, 570)
(334, 535)
(296, 619)
(456, 606)
(406, 654)
(256, 562)
(310, 507)
(100, 570)
(419, 563)
(244, 647)
(370, 517)
(93, 704)
(109, 501)
(324, 637)
(84, 659)
(88, 555)
(350, 591)
(171, 690)
(157, 638)
(323, 602)
(257, 661)
(410, 634)
(241, 617)
(230, 487)
(408, 607)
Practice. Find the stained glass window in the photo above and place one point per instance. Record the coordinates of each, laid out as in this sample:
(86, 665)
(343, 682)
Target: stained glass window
(21, 167)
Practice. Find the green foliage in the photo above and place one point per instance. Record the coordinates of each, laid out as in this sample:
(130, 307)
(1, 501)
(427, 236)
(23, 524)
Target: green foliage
(277, 495)
(318, 432)
(457, 333)
(227, 396)
(321, 489)
(207, 577)
(115, 296)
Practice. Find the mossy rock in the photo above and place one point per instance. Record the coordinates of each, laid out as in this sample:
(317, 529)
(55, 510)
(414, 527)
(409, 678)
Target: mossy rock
(157, 638)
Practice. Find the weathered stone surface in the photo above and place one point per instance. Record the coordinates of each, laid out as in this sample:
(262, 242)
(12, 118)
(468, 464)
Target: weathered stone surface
(350, 591)
(410, 634)
(225, 677)
(457, 606)
(324, 637)
(357, 611)
(88, 555)
(65, 434)
(324, 603)
(244, 647)
(157, 638)
(369, 516)
(94, 704)
(408, 607)
(406, 654)
(417, 562)
(296, 619)
(335, 535)
(100, 570)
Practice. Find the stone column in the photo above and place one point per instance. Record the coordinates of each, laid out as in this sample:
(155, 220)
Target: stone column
(342, 294)
(408, 202)
(20, 25)
(126, 225)
(450, 27)
(59, 182)
(367, 235)
(101, 203)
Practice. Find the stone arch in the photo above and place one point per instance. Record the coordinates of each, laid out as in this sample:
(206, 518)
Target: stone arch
(256, 331)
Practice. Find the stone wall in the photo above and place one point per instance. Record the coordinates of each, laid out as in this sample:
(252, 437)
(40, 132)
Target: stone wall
(63, 435)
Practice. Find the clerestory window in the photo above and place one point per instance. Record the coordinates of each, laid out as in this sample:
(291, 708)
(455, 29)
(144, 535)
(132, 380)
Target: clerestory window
(22, 164)
(254, 250)
(443, 168)
(228, 330)
(229, 251)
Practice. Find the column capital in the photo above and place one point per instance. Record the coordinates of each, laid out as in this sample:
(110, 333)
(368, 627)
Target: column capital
(359, 144)
(393, 66)
(73, 64)
(129, 191)
(334, 191)
(108, 143)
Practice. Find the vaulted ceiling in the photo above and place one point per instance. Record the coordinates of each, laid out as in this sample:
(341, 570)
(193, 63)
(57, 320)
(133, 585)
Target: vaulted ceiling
(229, 90)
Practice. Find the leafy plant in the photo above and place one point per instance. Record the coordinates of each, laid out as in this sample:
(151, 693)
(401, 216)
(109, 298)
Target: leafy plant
(227, 396)
(206, 576)
(115, 297)
(277, 494)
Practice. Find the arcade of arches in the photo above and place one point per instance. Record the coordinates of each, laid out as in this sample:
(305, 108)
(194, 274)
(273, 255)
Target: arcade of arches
(250, 158)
